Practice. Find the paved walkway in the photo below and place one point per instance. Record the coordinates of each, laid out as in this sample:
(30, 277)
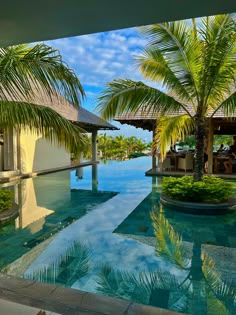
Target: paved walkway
(10, 308)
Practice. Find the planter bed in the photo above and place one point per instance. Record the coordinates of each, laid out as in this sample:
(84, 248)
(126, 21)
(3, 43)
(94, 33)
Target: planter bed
(9, 214)
(199, 208)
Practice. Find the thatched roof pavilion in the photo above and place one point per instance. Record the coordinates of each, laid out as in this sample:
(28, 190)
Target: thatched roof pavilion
(219, 124)
(147, 120)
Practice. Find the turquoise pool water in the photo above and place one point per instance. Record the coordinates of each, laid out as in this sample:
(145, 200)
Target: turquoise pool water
(114, 238)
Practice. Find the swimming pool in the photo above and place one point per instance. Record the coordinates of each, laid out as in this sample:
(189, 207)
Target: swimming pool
(114, 238)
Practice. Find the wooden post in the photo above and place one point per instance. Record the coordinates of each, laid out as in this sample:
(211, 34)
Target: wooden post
(154, 160)
(210, 146)
(94, 146)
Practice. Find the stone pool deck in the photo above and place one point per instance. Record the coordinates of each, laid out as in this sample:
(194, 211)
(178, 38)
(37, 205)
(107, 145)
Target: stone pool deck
(65, 301)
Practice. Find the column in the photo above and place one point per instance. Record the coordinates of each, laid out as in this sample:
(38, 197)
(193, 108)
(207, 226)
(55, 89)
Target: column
(10, 149)
(210, 146)
(94, 178)
(94, 146)
(154, 160)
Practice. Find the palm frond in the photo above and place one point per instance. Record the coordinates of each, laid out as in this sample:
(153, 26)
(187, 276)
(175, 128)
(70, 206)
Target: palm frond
(180, 48)
(124, 96)
(219, 61)
(168, 242)
(43, 121)
(155, 67)
(40, 65)
(228, 106)
(172, 129)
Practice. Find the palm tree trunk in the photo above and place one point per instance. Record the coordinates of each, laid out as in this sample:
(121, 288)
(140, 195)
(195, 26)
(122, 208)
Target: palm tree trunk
(200, 132)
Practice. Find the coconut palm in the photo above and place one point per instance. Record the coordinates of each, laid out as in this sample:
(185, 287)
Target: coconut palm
(104, 145)
(195, 63)
(29, 70)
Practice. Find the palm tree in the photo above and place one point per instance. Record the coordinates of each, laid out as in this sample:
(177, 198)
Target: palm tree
(120, 147)
(195, 63)
(26, 70)
(104, 145)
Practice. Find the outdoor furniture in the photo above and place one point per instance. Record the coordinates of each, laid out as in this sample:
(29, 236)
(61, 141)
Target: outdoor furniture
(186, 163)
(166, 164)
(218, 162)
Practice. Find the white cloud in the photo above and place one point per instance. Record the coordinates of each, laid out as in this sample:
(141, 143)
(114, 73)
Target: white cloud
(106, 55)
(101, 58)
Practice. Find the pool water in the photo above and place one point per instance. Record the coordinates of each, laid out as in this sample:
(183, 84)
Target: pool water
(109, 235)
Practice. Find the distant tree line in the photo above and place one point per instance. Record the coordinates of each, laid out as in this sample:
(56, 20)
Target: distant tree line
(119, 147)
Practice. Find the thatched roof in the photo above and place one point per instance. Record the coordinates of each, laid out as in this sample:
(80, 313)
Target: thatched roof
(89, 121)
(147, 119)
(57, 102)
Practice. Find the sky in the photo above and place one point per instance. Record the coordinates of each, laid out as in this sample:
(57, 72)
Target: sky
(100, 58)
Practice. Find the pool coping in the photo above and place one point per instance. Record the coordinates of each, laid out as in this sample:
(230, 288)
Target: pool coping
(69, 301)
(45, 172)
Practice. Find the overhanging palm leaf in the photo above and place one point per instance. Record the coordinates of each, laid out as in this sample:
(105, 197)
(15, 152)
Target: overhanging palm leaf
(179, 48)
(28, 73)
(228, 106)
(171, 129)
(219, 66)
(22, 65)
(124, 96)
(154, 66)
(43, 121)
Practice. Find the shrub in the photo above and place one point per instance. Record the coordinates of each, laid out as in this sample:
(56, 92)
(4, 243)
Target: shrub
(6, 199)
(134, 155)
(210, 189)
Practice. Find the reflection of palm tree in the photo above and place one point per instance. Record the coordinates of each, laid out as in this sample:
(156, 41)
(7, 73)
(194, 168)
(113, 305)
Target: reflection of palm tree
(67, 269)
(197, 287)
(205, 280)
(146, 287)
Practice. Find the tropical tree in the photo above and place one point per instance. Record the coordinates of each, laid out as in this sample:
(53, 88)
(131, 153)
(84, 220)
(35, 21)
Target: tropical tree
(29, 70)
(104, 144)
(195, 63)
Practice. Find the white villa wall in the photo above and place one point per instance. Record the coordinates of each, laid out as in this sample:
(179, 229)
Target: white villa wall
(37, 154)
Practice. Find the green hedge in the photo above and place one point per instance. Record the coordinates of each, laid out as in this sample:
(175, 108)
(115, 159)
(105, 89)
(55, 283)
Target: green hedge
(134, 155)
(6, 199)
(210, 189)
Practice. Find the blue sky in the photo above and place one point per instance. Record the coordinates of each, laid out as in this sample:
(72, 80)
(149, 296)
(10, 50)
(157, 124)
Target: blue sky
(100, 58)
